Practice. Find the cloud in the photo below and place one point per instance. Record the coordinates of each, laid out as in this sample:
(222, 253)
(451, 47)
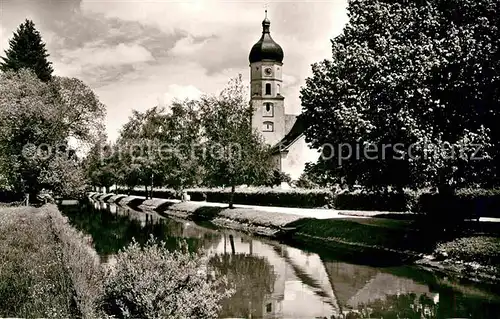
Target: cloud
(95, 55)
(188, 46)
(99, 63)
(180, 93)
(197, 17)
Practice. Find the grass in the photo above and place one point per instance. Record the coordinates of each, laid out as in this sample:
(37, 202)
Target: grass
(481, 249)
(384, 233)
(33, 278)
(255, 217)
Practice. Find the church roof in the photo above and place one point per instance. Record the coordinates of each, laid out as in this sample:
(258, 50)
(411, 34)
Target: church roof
(295, 132)
(289, 121)
(266, 49)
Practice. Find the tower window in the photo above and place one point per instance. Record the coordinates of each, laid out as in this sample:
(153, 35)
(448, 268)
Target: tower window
(269, 307)
(278, 89)
(268, 126)
(268, 110)
(268, 88)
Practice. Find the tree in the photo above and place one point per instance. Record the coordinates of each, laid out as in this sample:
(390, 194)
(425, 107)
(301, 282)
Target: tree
(235, 154)
(36, 124)
(277, 177)
(82, 114)
(101, 165)
(305, 181)
(411, 92)
(182, 153)
(27, 50)
(139, 147)
(64, 176)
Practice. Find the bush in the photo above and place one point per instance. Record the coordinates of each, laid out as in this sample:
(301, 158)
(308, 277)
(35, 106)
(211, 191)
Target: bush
(485, 250)
(152, 282)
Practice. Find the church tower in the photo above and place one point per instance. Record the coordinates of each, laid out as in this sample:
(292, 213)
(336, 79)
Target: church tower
(266, 59)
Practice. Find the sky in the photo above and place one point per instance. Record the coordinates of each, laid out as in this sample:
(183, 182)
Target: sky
(139, 54)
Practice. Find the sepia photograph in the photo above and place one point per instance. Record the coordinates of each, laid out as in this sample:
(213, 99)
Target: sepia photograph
(204, 159)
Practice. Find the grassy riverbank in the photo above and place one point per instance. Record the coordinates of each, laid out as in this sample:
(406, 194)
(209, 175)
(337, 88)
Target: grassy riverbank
(48, 269)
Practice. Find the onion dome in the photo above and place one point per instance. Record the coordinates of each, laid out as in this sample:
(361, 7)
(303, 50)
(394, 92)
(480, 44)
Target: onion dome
(266, 49)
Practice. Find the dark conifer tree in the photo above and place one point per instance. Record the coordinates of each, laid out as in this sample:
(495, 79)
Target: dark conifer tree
(27, 50)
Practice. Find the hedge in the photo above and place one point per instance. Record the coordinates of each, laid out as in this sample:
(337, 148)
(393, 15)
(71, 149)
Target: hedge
(303, 198)
(158, 193)
(390, 202)
(266, 197)
(10, 196)
(464, 203)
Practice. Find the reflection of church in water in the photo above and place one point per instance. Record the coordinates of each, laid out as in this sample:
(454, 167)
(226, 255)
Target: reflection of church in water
(275, 281)
(306, 286)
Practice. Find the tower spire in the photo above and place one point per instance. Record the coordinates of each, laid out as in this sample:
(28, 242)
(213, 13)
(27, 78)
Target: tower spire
(266, 23)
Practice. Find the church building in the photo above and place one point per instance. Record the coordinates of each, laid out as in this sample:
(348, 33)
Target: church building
(283, 131)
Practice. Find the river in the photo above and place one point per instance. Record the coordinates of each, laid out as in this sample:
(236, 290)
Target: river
(275, 280)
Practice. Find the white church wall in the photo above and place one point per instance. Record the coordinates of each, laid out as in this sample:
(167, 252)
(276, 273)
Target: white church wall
(299, 153)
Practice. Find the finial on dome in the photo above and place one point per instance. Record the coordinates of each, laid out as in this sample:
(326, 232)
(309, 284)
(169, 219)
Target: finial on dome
(265, 24)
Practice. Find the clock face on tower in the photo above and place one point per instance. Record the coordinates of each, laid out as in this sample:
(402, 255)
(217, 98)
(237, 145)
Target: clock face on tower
(268, 71)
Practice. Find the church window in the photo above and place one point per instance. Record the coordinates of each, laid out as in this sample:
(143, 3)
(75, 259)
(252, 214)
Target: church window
(268, 127)
(268, 88)
(268, 110)
(277, 89)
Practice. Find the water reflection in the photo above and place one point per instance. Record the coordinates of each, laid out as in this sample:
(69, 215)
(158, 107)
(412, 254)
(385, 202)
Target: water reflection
(273, 280)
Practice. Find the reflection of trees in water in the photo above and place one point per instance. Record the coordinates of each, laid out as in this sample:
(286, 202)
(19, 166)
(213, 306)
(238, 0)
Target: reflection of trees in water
(452, 304)
(409, 306)
(113, 231)
(252, 277)
(201, 239)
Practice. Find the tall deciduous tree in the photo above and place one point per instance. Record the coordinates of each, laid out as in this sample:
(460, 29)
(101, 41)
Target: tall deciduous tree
(235, 154)
(421, 78)
(27, 50)
(101, 164)
(138, 149)
(181, 153)
(36, 124)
